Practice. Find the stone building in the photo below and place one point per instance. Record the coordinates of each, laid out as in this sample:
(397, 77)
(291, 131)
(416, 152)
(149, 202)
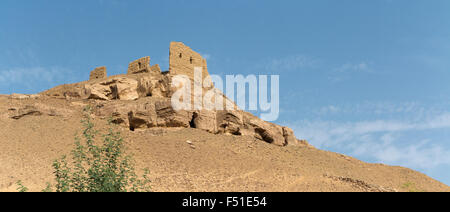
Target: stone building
(183, 59)
(98, 73)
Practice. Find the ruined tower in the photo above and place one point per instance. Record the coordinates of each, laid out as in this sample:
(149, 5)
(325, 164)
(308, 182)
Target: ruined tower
(98, 73)
(155, 68)
(183, 59)
(139, 66)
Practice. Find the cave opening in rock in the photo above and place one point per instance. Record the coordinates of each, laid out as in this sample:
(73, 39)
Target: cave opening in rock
(264, 135)
(192, 122)
(131, 127)
(237, 132)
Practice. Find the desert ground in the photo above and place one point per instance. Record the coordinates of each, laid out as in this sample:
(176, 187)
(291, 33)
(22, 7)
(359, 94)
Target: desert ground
(187, 159)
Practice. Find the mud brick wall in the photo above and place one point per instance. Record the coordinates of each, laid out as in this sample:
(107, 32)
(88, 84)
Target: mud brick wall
(98, 73)
(155, 68)
(139, 66)
(183, 59)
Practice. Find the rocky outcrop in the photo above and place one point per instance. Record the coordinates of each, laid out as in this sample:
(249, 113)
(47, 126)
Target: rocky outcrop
(120, 87)
(266, 131)
(152, 112)
(37, 109)
(23, 96)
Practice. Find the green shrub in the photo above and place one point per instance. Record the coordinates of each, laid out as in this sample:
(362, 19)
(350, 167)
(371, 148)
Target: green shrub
(410, 187)
(96, 166)
(21, 187)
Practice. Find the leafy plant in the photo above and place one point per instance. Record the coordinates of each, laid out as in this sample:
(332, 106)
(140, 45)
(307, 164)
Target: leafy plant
(410, 187)
(98, 166)
(48, 188)
(21, 187)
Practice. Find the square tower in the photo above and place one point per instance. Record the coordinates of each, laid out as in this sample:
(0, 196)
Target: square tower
(183, 60)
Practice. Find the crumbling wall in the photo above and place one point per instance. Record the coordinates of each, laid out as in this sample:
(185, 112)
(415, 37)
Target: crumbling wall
(98, 73)
(139, 66)
(183, 59)
(155, 68)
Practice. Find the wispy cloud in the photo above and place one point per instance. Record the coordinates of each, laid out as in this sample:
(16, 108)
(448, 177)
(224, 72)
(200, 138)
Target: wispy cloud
(35, 77)
(291, 63)
(386, 141)
(301, 62)
(345, 71)
(336, 131)
(379, 108)
(354, 67)
(330, 109)
(422, 154)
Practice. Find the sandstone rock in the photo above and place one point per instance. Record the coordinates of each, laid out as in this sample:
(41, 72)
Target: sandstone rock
(145, 113)
(151, 85)
(24, 96)
(229, 121)
(73, 95)
(114, 88)
(139, 119)
(37, 110)
(304, 143)
(143, 117)
(205, 120)
(265, 131)
(17, 113)
(169, 117)
(126, 89)
(99, 91)
(289, 136)
(67, 91)
(118, 111)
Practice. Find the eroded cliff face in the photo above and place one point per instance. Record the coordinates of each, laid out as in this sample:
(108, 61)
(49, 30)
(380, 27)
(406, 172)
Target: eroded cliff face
(142, 99)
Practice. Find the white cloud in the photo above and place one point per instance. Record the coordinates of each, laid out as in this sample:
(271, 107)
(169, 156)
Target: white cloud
(290, 63)
(34, 77)
(380, 108)
(354, 67)
(419, 154)
(346, 70)
(386, 141)
(328, 110)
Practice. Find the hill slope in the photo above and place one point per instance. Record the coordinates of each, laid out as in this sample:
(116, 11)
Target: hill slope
(213, 162)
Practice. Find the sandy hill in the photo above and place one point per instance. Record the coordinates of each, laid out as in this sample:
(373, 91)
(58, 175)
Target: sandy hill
(185, 150)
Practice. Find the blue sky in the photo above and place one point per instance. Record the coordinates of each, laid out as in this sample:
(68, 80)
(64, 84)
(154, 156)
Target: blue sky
(365, 78)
